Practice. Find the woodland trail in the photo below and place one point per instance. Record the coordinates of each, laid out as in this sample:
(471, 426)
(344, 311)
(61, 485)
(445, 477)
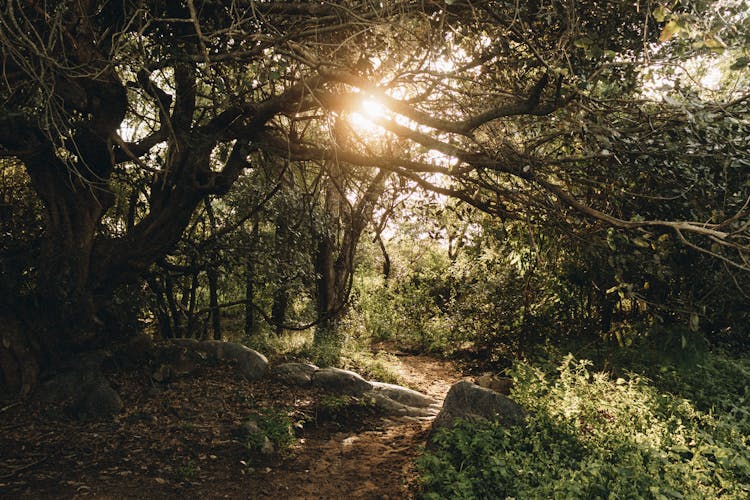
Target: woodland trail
(178, 440)
(376, 463)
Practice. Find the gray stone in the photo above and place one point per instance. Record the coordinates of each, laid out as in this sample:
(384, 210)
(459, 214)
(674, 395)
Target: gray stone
(67, 385)
(100, 402)
(468, 401)
(295, 373)
(250, 364)
(251, 432)
(185, 342)
(503, 385)
(341, 381)
(403, 395)
(391, 407)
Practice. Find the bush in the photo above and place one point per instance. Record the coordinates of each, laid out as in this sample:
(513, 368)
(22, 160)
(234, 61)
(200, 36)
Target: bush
(592, 436)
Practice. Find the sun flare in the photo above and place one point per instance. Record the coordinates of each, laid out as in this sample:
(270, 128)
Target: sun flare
(363, 119)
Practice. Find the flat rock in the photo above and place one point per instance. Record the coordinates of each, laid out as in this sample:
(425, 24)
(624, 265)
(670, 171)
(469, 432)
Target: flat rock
(341, 381)
(403, 395)
(391, 407)
(299, 374)
(468, 401)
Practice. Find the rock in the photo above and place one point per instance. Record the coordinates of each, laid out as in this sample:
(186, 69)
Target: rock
(295, 373)
(100, 402)
(67, 385)
(469, 401)
(189, 343)
(250, 364)
(137, 351)
(255, 437)
(341, 381)
(403, 395)
(267, 448)
(391, 407)
(503, 385)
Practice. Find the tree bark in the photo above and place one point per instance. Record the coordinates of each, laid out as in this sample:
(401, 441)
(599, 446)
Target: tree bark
(334, 263)
(281, 291)
(251, 319)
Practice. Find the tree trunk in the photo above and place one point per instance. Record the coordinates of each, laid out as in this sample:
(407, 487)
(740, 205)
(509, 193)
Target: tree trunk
(213, 297)
(251, 319)
(281, 293)
(212, 273)
(334, 269)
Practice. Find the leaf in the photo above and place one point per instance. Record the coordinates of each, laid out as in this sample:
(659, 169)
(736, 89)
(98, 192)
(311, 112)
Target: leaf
(584, 42)
(740, 63)
(670, 30)
(660, 13)
(640, 242)
(713, 43)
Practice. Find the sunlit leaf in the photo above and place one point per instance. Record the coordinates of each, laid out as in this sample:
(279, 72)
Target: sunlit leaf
(670, 30)
(660, 13)
(584, 42)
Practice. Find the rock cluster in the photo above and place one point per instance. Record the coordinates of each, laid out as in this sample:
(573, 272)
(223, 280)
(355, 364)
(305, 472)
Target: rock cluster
(90, 396)
(389, 399)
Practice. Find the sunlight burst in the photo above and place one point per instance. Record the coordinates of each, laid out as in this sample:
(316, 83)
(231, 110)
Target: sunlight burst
(362, 119)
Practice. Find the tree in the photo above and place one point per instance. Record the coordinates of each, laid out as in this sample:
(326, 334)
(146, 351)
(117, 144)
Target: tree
(509, 108)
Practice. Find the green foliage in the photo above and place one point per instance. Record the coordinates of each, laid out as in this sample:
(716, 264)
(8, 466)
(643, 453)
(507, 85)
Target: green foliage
(593, 436)
(343, 409)
(276, 425)
(187, 471)
(381, 366)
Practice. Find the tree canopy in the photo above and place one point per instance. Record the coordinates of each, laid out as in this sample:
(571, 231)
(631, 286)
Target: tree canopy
(128, 117)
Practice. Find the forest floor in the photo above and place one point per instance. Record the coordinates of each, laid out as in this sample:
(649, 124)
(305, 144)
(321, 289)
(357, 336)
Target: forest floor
(180, 440)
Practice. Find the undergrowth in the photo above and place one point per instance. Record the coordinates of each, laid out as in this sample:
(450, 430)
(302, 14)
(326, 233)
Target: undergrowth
(593, 435)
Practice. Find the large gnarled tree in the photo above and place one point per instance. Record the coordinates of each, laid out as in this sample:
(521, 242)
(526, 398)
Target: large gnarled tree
(507, 106)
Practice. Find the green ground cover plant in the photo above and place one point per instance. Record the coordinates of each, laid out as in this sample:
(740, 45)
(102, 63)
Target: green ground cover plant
(593, 435)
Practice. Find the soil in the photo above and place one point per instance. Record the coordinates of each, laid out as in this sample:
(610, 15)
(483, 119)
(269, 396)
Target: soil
(181, 440)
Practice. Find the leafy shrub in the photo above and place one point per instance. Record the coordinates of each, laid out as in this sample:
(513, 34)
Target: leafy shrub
(591, 436)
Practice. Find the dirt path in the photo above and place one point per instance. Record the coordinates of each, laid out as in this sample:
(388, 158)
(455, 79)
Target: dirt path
(176, 441)
(376, 463)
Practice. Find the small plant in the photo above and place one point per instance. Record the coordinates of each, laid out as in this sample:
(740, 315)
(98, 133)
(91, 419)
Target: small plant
(187, 471)
(382, 366)
(344, 409)
(274, 424)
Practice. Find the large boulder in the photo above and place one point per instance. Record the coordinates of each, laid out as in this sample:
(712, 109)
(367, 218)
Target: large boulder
(250, 364)
(341, 381)
(299, 374)
(468, 401)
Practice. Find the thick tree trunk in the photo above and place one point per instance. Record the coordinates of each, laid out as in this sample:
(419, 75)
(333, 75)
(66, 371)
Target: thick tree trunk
(334, 262)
